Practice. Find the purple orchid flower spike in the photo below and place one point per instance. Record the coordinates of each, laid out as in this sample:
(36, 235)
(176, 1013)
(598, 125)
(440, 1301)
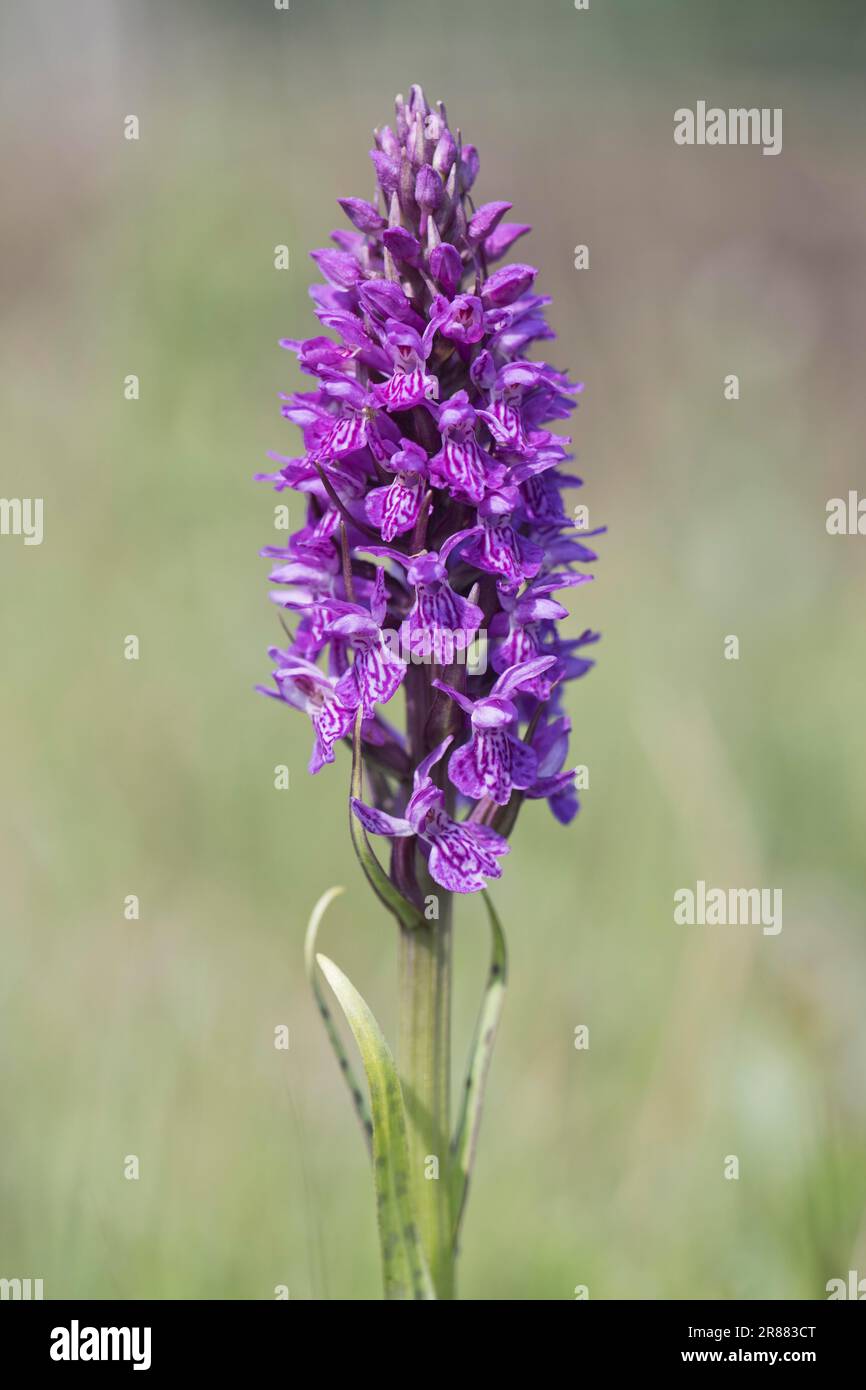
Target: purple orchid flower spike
(461, 855)
(428, 445)
(494, 762)
(432, 474)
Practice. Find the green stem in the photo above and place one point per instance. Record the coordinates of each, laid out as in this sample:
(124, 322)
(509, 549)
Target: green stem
(425, 1071)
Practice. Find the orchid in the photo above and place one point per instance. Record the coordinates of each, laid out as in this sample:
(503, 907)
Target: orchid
(433, 496)
(495, 762)
(461, 853)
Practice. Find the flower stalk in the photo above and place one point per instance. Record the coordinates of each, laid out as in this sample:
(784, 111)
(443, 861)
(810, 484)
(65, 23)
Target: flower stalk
(424, 1059)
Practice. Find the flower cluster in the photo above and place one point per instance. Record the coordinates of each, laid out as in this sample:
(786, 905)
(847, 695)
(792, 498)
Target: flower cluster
(434, 508)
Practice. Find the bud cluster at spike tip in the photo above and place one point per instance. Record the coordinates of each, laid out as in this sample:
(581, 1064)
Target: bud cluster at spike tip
(433, 495)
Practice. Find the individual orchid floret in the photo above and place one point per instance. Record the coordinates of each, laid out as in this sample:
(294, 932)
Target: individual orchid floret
(485, 221)
(461, 465)
(462, 855)
(301, 684)
(494, 762)
(557, 788)
(395, 509)
(440, 622)
(526, 619)
(461, 319)
(362, 214)
(376, 672)
(409, 385)
(507, 284)
(446, 267)
(505, 417)
(497, 546)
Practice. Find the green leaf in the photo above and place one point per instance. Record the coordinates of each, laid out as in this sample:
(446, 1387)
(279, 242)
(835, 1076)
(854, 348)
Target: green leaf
(404, 1267)
(405, 912)
(358, 1099)
(480, 1053)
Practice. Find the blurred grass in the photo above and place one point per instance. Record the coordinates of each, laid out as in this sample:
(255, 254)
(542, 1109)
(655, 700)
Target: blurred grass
(155, 1038)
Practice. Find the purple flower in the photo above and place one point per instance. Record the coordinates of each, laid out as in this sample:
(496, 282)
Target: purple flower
(461, 465)
(497, 546)
(446, 267)
(507, 284)
(409, 384)
(303, 685)
(461, 319)
(485, 221)
(526, 621)
(395, 508)
(428, 188)
(550, 745)
(494, 761)
(461, 854)
(377, 672)
(440, 622)
(434, 512)
(363, 214)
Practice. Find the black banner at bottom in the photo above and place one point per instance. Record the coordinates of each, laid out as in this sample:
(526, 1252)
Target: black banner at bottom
(154, 1338)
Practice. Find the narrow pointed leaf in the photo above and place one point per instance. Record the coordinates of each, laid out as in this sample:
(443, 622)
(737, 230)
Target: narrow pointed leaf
(407, 914)
(404, 1266)
(480, 1053)
(358, 1099)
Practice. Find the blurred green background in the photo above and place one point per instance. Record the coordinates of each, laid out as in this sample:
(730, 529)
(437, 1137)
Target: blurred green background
(155, 777)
